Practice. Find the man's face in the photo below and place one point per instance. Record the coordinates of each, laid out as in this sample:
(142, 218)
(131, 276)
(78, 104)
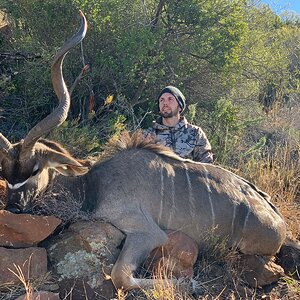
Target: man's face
(168, 106)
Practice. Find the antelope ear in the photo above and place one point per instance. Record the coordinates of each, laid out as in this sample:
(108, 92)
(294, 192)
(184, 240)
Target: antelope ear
(69, 170)
(65, 164)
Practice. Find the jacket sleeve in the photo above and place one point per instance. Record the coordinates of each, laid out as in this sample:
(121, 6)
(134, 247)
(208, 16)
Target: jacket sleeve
(202, 151)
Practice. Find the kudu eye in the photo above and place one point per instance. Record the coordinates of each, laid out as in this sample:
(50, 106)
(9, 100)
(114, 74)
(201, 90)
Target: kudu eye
(35, 169)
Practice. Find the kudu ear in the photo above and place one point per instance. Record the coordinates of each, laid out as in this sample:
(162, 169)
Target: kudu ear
(65, 164)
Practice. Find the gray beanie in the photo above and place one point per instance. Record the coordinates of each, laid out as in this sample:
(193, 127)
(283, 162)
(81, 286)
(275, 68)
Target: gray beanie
(176, 93)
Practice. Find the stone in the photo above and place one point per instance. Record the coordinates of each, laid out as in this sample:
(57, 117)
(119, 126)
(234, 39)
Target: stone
(82, 258)
(31, 262)
(178, 255)
(24, 230)
(259, 271)
(42, 295)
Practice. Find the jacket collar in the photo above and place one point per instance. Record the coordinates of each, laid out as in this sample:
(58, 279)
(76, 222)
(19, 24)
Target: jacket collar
(157, 124)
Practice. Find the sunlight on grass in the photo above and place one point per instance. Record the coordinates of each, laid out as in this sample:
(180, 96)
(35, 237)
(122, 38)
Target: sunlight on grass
(278, 174)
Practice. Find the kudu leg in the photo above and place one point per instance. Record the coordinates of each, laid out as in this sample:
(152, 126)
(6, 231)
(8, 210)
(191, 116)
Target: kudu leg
(136, 248)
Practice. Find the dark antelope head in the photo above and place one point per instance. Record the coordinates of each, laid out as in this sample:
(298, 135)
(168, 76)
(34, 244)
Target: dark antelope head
(26, 166)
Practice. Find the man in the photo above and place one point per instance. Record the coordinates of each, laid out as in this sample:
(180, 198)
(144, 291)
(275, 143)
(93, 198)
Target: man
(171, 129)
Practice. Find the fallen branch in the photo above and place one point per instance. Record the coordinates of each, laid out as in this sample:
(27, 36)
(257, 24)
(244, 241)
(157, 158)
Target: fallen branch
(19, 56)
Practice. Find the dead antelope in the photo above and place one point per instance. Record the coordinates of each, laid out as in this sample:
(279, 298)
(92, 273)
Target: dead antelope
(142, 189)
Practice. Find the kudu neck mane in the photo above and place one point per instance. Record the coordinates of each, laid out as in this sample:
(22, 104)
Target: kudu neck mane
(136, 140)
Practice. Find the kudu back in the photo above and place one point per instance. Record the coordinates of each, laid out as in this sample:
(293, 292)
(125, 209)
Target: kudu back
(142, 189)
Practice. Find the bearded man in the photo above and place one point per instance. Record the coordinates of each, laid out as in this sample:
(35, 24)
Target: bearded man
(172, 129)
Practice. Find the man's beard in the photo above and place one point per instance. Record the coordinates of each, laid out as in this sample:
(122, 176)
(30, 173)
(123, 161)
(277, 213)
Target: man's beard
(169, 114)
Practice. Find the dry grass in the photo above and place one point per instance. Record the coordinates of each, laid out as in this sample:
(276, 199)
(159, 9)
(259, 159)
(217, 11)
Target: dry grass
(26, 283)
(165, 286)
(278, 175)
(60, 202)
(27, 286)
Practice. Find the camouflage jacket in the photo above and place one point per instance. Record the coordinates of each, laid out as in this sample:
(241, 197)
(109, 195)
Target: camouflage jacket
(186, 140)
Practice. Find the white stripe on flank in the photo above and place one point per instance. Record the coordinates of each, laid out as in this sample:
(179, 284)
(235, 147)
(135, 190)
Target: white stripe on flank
(16, 186)
(173, 208)
(233, 219)
(161, 194)
(192, 205)
(246, 220)
(248, 214)
(213, 217)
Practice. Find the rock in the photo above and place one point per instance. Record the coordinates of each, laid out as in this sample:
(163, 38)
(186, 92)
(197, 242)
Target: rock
(24, 230)
(43, 295)
(31, 262)
(259, 271)
(178, 255)
(81, 257)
